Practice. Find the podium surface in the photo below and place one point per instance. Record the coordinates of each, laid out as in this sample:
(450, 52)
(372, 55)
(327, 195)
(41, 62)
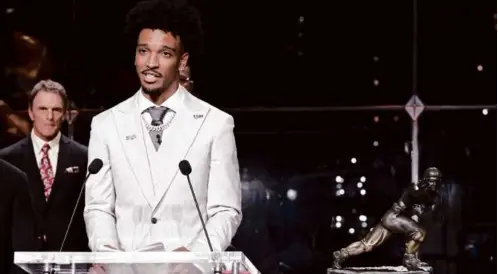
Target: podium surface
(134, 262)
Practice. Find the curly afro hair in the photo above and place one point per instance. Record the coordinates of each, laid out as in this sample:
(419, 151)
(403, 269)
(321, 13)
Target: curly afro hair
(174, 16)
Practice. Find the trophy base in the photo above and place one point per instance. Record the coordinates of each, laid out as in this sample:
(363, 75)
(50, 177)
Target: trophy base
(379, 270)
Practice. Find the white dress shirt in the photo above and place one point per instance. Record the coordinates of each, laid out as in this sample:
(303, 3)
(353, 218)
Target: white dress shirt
(53, 152)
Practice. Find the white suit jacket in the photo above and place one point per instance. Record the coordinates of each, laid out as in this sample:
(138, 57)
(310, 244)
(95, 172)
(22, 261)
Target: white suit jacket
(121, 209)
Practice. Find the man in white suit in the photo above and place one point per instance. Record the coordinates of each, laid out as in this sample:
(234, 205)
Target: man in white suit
(139, 198)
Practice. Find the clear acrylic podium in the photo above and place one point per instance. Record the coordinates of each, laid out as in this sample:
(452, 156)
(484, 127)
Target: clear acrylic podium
(135, 262)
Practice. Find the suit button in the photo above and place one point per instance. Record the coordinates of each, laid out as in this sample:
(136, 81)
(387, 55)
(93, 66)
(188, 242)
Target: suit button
(153, 220)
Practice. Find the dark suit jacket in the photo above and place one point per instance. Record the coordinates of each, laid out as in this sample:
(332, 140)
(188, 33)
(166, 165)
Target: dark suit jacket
(17, 221)
(53, 215)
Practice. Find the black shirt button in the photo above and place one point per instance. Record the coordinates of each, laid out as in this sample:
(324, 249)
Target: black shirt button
(153, 220)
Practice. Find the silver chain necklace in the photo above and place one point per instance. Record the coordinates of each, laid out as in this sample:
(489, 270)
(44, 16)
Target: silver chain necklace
(169, 116)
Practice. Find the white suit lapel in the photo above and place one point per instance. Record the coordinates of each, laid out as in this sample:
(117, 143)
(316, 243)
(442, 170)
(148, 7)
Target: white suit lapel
(185, 127)
(129, 127)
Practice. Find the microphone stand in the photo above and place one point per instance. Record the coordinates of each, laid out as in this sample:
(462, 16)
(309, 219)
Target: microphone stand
(93, 168)
(218, 265)
(49, 269)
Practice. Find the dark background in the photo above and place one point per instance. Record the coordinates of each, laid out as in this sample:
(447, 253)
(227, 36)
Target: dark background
(256, 56)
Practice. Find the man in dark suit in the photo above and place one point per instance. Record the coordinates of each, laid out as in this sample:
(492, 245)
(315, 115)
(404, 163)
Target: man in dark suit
(56, 169)
(17, 222)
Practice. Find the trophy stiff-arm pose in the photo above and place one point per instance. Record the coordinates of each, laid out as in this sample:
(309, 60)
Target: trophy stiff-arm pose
(415, 201)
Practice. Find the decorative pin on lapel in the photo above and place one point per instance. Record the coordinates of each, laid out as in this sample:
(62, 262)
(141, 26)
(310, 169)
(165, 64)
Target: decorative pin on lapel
(198, 116)
(130, 137)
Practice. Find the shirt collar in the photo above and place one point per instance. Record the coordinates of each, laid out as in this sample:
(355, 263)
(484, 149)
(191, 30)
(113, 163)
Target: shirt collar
(174, 102)
(39, 143)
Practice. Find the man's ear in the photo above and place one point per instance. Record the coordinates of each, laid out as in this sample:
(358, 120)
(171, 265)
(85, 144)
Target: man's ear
(30, 113)
(184, 61)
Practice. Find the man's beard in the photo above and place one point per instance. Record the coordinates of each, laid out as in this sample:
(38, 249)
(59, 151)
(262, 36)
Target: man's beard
(154, 91)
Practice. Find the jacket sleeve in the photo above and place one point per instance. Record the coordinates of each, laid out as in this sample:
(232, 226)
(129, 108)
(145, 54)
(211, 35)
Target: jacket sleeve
(100, 197)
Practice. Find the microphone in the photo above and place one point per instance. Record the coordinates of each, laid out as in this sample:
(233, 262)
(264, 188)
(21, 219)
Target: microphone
(93, 168)
(186, 169)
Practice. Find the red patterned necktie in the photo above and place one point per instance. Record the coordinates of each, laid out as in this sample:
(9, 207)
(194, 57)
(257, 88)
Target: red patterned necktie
(47, 174)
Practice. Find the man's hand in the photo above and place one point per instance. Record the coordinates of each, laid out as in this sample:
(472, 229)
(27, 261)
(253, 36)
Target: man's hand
(96, 269)
(110, 248)
(179, 268)
(181, 249)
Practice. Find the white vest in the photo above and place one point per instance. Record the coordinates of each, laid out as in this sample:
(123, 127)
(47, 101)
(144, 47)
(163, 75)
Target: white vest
(155, 158)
